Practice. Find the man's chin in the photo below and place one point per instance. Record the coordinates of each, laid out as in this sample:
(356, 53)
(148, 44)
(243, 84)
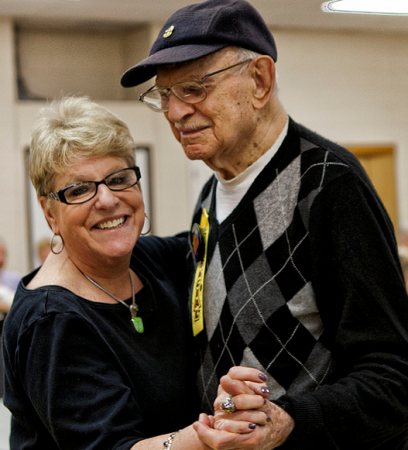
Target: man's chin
(194, 151)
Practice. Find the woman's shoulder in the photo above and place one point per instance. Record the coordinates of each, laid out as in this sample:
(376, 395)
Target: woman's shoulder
(43, 291)
(156, 257)
(52, 272)
(31, 307)
(37, 296)
(163, 248)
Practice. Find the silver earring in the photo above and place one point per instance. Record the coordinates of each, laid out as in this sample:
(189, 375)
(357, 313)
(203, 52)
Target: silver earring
(150, 226)
(52, 244)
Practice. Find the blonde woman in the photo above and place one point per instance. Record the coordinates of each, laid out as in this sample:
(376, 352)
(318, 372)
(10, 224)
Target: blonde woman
(97, 346)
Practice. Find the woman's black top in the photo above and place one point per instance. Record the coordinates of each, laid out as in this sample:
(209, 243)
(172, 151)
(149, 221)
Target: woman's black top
(78, 375)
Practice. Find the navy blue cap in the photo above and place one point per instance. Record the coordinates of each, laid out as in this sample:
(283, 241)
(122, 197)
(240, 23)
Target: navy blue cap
(201, 29)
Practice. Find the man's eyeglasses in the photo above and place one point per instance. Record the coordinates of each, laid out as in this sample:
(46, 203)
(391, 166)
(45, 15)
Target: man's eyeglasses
(189, 92)
(85, 190)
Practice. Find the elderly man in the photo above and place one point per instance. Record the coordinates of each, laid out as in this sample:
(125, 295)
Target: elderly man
(302, 274)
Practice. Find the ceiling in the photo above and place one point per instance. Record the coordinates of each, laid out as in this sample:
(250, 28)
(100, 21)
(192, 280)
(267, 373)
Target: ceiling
(114, 14)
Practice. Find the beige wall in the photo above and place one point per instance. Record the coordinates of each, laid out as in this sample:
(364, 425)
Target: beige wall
(350, 87)
(11, 193)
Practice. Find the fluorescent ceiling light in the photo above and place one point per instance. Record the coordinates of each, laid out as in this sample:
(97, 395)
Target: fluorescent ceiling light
(396, 7)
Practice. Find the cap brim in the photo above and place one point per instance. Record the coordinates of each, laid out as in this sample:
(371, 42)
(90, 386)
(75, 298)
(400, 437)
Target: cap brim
(147, 68)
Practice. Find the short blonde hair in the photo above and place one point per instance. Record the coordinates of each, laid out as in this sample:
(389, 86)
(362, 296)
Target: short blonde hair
(71, 128)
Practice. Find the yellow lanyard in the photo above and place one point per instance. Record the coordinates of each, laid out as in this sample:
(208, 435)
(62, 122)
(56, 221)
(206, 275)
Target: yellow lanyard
(197, 313)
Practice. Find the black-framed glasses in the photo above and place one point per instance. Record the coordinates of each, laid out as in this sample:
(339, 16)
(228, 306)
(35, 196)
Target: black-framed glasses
(86, 190)
(189, 92)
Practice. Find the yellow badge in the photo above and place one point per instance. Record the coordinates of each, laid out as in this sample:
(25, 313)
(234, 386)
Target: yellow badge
(168, 32)
(200, 241)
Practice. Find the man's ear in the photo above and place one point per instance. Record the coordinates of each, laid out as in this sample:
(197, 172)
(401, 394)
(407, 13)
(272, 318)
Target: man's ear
(49, 215)
(263, 74)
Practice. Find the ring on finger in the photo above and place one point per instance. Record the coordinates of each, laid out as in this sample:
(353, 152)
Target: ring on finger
(228, 406)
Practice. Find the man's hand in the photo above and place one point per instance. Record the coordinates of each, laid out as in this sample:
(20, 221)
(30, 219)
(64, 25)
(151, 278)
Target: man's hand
(262, 437)
(256, 424)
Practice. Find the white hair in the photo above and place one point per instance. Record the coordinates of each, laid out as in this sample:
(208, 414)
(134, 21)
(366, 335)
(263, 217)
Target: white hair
(70, 128)
(244, 54)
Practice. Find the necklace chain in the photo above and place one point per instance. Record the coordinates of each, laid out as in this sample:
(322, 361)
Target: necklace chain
(111, 295)
(137, 321)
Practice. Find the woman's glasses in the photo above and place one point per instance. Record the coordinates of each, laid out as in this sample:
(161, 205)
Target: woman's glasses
(86, 190)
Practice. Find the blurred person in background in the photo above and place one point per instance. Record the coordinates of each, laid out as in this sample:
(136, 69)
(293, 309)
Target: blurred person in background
(8, 279)
(8, 284)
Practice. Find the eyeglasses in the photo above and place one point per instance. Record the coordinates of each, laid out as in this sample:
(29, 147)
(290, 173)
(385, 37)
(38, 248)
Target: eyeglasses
(189, 92)
(85, 190)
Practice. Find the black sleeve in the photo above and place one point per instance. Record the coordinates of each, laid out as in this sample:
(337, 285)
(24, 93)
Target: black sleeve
(169, 254)
(80, 397)
(363, 303)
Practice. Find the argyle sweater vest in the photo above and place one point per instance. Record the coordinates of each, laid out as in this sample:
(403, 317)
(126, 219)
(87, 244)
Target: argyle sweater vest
(260, 306)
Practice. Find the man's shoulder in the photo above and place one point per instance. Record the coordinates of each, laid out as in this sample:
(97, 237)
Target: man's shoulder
(319, 153)
(319, 145)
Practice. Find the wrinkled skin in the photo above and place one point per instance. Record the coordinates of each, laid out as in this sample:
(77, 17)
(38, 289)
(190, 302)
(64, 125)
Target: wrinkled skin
(258, 424)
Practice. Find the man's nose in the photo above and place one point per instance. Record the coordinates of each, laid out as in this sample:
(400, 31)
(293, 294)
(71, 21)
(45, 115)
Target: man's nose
(178, 109)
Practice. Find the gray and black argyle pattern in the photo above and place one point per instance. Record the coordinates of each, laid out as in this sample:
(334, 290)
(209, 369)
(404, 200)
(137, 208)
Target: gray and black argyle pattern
(259, 303)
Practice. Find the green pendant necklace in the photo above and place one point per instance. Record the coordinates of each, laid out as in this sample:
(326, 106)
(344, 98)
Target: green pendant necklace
(136, 320)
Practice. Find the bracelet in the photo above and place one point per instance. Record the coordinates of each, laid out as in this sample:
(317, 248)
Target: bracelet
(167, 443)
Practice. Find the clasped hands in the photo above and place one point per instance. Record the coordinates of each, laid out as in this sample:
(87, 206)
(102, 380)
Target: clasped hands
(256, 424)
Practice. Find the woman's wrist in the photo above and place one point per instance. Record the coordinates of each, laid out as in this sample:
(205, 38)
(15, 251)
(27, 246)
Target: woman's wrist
(186, 439)
(169, 441)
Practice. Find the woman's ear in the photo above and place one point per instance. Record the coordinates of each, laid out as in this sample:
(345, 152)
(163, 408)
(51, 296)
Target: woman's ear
(49, 215)
(263, 74)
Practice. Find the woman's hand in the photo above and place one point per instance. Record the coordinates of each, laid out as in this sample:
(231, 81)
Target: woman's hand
(248, 392)
(256, 423)
(244, 380)
(263, 437)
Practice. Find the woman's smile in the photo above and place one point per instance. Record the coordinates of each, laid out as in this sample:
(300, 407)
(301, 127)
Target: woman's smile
(111, 224)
